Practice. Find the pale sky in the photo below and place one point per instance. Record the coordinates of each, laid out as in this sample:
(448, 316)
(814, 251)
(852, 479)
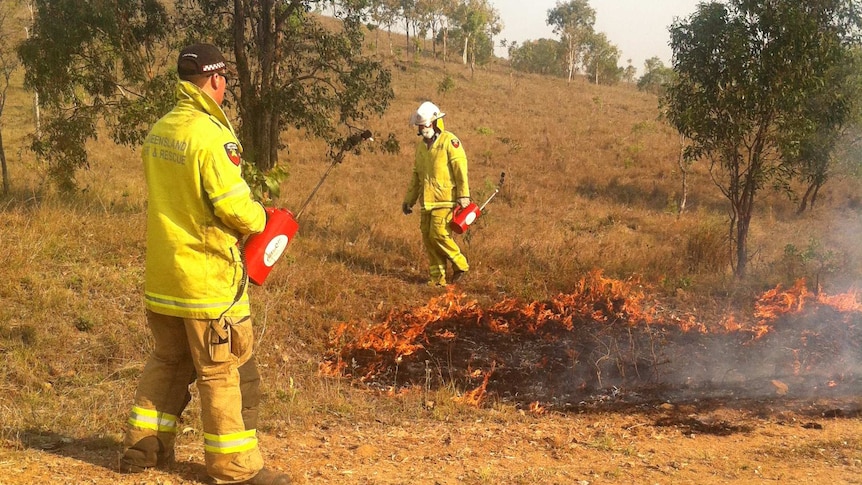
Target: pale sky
(639, 28)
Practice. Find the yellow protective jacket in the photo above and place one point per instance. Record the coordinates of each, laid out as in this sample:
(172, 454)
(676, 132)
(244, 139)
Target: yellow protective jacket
(439, 174)
(199, 206)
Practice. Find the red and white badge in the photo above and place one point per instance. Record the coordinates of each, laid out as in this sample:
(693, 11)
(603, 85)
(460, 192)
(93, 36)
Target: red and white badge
(232, 151)
(456, 143)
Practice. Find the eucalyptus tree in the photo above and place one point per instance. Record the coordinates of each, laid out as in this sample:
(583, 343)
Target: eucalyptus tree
(828, 148)
(541, 56)
(448, 11)
(748, 72)
(601, 59)
(656, 76)
(8, 65)
(291, 69)
(384, 13)
(93, 61)
(573, 21)
(478, 22)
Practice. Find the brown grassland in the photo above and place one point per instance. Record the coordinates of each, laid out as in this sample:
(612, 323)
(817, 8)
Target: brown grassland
(592, 183)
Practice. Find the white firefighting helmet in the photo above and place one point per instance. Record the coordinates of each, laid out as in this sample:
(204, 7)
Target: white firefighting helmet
(426, 114)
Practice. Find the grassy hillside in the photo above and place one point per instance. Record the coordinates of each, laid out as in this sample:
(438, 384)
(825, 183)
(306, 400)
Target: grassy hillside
(591, 183)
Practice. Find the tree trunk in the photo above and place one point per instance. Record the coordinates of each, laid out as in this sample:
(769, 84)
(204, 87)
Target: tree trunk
(803, 204)
(809, 198)
(37, 115)
(261, 126)
(742, 226)
(6, 183)
(407, 31)
(472, 62)
(683, 169)
(464, 55)
(445, 44)
(745, 209)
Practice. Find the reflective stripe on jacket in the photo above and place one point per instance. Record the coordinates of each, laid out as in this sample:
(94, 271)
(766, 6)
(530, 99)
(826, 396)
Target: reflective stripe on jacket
(439, 174)
(199, 206)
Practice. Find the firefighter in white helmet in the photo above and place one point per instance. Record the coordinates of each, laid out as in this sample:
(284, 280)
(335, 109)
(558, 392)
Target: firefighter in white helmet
(198, 208)
(439, 183)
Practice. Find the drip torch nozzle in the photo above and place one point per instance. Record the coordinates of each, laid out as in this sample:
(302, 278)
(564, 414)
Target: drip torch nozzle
(356, 139)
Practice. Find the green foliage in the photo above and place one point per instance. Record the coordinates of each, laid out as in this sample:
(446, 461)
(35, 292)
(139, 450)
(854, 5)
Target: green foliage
(573, 21)
(61, 147)
(95, 63)
(543, 56)
(84, 324)
(391, 144)
(811, 262)
(291, 68)
(656, 76)
(476, 23)
(829, 130)
(514, 145)
(265, 186)
(601, 60)
(446, 85)
(101, 64)
(741, 103)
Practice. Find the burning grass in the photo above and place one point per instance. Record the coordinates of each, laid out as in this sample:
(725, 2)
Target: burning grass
(606, 341)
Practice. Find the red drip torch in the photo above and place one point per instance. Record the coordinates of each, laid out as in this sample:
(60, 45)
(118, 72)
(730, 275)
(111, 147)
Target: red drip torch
(462, 218)
(263, 250)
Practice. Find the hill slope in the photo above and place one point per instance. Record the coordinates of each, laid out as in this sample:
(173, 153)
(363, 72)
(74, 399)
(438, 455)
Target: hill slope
(592, 182)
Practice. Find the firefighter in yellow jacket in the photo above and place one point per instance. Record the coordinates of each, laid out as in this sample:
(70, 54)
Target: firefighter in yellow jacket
(199, 208)
(439, 183)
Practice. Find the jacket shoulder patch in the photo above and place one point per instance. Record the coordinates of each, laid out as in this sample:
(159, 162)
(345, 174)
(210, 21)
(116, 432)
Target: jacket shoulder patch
(232, 151)
(456, 142)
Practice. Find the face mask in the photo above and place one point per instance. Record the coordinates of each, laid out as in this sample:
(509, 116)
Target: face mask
(427, 132)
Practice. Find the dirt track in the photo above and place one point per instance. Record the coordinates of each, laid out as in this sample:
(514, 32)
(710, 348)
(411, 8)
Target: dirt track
(702, 443)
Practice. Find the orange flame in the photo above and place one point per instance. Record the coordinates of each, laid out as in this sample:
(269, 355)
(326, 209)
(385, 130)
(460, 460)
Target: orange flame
(364, 351)
(476, 396)
(537, 408)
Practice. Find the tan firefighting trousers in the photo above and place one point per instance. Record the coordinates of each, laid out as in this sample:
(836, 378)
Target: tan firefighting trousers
(437, 237)
(212, 351)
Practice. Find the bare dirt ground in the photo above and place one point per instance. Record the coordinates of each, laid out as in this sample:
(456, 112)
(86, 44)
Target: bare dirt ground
(702, 442)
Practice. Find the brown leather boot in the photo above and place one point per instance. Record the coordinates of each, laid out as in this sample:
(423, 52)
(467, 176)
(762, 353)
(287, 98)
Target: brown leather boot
(268, 477)
(140, 456)
(146, 453)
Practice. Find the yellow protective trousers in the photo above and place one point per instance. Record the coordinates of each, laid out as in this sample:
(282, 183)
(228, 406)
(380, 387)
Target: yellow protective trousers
(439, 245)
(211, 351)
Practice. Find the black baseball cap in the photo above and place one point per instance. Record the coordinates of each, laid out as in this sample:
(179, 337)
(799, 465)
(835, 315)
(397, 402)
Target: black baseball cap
(200, 59)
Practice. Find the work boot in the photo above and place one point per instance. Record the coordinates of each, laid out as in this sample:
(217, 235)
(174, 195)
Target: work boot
(146, 453)
(457, 275)
(140, 456)
(268, 477)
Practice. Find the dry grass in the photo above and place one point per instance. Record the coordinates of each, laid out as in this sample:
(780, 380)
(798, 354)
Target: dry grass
(591, 183)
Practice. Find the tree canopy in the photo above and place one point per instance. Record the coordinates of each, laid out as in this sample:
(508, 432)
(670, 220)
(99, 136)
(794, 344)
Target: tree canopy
(90, 60)
(573, 21)
(755, 78)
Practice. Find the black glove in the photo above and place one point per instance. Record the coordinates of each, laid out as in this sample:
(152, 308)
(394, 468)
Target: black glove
(405, 208)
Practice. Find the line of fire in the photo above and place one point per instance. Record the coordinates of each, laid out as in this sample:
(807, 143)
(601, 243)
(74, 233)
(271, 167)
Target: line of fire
(607, 342)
